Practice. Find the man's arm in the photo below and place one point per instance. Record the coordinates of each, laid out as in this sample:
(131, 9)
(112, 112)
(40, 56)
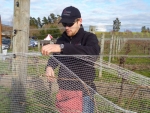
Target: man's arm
(90, 47)
(50, 73)
(50, 48)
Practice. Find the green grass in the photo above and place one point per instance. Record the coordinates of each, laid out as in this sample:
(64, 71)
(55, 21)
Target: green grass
(143, 62)
(40, 101)
(137, 105)
(4, 67)
(143, 72)
(107, 77)
(138, 61)
(4, 100)
(131, 61)
(33, 49)
(36, 70)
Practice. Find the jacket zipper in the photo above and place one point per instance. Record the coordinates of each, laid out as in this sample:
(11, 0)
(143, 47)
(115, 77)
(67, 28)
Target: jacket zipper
(70, 39)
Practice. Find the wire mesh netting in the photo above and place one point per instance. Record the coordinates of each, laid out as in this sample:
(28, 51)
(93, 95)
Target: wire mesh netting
(25, 88)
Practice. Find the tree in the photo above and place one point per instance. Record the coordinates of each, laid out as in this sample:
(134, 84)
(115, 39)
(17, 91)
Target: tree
(50, 23)
(39, 22)
(148, 30)
(54, 31)
(33, 25)
(116, 25)
(54, 19)
(45, 20)
(143, 29)
(49, 20)
(42, 34)
(33, 22)
(52, 16)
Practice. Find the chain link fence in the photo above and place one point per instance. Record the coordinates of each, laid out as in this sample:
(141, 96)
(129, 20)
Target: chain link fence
(24, 87)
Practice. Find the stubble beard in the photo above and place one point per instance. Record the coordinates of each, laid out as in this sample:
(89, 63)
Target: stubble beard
(70, 33)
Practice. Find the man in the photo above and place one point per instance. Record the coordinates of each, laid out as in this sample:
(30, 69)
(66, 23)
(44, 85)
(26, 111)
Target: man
(74, 41)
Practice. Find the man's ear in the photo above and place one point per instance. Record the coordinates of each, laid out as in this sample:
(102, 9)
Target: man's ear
(80, 20)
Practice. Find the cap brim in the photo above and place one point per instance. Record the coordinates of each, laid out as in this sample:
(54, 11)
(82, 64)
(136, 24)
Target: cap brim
(66, 20)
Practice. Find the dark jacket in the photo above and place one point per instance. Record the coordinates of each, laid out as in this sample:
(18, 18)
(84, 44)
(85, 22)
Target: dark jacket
(83, 43)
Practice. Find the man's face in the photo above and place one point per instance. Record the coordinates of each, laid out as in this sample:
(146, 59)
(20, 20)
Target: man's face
(72, 30)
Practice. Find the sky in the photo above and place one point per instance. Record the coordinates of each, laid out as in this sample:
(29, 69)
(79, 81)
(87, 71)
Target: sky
(99, 13)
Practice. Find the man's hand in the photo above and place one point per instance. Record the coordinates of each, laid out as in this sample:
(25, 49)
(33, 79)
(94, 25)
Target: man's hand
(50, 48)
(50, 74)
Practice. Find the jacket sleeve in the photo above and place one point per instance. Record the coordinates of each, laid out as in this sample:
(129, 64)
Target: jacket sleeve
(89, 47)
(52, 62)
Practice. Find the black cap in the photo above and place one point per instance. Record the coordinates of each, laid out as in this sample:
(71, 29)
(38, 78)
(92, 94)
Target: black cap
(69, 14)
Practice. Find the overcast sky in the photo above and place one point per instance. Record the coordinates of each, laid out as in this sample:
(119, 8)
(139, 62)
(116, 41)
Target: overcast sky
(94, 12)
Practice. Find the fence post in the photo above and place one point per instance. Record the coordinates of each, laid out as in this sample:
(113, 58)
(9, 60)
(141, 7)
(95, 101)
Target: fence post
(117, 43)
(39, 48)
(110, 51)
(20, 45)
(101, 54)
(119, 40)
(114, 45)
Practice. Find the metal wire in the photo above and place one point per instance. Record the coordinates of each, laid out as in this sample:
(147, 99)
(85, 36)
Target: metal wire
(24, 86)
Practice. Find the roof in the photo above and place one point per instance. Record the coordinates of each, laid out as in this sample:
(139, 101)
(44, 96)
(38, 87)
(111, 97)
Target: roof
(49, 37)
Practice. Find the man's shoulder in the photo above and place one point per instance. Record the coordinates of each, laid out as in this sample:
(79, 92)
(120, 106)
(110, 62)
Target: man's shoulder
(89, 34)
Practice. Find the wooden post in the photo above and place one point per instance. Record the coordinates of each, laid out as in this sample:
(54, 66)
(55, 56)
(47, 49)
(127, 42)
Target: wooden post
(0, 35)
(20, 45)
(20, 31)
(117, 46)
(114, 45)
(111, 46)
(21, 25)
(101, 54)
(39, 48)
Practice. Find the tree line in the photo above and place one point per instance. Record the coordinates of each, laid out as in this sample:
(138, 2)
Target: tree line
(144, 29)
(47, 25)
